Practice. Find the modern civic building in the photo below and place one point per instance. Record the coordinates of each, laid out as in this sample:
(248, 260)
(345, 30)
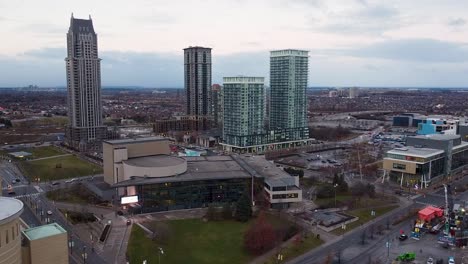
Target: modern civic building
(85, 128)
(197, 73)
(426, 159)
(10, 231)
(244, 109)
(148, 179)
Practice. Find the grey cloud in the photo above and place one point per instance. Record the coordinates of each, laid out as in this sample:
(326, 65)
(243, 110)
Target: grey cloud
(366, 19)
(420, 62)
(419, 50)
(43, 28)
(457, 22)
(46, 53)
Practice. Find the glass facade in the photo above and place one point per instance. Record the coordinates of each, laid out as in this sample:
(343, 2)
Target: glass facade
(244, 109)
(190, 194)
(288, 85)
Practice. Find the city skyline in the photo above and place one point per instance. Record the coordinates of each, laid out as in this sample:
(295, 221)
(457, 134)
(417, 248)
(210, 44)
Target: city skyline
(360, 43)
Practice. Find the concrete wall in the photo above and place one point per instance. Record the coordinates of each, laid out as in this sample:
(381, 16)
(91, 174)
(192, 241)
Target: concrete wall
(463, 131)
(129, 170)
(113, 153)
(410, 166)
(285, 200)
(10, 252)
(53, 249)
(108, 162)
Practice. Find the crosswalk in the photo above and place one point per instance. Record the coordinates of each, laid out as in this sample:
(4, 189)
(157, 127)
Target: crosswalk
(32, 195)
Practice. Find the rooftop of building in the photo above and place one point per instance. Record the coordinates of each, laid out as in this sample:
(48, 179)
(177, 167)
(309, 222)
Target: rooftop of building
(20, 154)
(261, 167)
(81, 25)
(44, 231)
(198, 168)
(289, 52)
(441, 137)
(197, 47)
(134, 140)
(416, 152)
(9, 209)
(155, 161)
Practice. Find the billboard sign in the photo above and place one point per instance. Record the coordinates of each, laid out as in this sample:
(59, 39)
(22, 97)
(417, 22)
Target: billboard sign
(129, 199)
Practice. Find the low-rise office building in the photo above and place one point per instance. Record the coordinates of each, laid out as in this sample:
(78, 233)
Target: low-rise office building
(426, 159)
(10, 233)
(45, 244)
(281, 189)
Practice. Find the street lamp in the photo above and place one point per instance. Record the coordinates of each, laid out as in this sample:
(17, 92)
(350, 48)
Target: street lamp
(85, 255)
(71, 244)
(161, 251)
(334, 188)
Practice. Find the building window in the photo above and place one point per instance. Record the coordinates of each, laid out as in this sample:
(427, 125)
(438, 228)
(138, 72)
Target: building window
(399, 166)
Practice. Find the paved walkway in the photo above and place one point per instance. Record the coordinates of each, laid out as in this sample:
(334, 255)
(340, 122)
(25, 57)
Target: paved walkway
(51, 157)
(114, 249)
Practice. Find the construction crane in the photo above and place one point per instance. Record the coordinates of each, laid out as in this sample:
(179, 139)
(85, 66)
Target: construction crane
(448, 207)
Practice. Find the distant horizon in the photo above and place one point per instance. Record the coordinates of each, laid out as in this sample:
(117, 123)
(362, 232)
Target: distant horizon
(309, 87)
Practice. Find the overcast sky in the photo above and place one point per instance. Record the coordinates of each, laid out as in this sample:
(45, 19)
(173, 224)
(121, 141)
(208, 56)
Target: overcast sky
(351, 42)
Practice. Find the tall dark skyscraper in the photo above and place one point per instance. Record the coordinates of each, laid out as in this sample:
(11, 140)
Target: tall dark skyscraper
(197, 73)
(85, 128)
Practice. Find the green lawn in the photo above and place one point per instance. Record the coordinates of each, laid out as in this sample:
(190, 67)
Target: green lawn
(296, 249)
(77, 193)
(193, 241)
(71, 167)
(364, 217)
(43, 152)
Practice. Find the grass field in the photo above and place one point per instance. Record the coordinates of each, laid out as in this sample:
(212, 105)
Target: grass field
(364, 217)
(76, 193)
(296, 249)
(193, 241)
(43, 152)
(71, 167)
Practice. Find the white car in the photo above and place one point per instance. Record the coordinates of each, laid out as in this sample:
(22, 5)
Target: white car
(430, 261)
(451, 260)
(70, 181)
(49, 212)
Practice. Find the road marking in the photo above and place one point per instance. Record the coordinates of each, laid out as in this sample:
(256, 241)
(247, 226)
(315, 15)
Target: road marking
(27, 195)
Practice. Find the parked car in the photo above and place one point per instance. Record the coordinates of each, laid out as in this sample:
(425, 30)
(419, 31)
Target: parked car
(430, 261)
(49, 212)
(70, 180)
(403, 237)
(451, 260)
(55, 183)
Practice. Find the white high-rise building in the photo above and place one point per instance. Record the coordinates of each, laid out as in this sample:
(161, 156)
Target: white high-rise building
(85, 128)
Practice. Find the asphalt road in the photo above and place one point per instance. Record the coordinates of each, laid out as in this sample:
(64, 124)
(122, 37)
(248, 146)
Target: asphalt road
(349, 245)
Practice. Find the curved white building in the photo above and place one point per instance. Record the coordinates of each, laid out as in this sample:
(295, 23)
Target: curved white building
(10, 233)
(152, 166)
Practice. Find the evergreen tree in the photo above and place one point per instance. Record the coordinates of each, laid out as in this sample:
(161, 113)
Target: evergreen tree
(243, 208)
